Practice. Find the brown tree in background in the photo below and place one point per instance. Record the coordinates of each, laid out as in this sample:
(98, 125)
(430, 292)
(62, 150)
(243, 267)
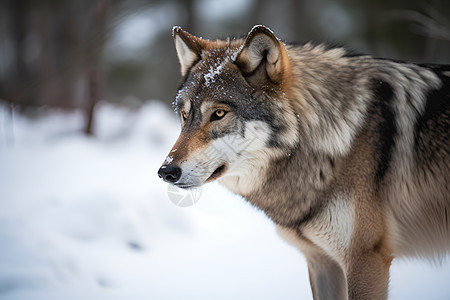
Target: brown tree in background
(56, 51)
(96, 41)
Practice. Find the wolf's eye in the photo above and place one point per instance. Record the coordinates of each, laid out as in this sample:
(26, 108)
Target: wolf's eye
(184, 115)
(217, 115)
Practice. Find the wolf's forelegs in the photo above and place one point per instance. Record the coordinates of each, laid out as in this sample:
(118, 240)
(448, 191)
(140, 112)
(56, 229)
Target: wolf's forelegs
(327, 278)
(368, 276)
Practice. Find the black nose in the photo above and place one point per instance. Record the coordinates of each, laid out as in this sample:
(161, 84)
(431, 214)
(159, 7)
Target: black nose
(170, 173)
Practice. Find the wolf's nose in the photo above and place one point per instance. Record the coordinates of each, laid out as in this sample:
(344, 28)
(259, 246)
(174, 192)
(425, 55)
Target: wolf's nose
(169, 173)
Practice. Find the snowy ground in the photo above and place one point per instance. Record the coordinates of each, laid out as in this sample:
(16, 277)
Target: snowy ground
(88, 218)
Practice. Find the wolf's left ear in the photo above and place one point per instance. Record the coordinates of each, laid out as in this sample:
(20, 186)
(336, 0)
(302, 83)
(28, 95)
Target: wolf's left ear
(262, 54)
(189, 48)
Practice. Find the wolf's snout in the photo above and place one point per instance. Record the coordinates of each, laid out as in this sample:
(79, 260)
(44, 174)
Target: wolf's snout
(169, 173)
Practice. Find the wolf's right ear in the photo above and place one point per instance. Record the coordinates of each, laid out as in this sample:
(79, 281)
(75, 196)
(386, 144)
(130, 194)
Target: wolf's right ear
(189, 48)
(263, 56)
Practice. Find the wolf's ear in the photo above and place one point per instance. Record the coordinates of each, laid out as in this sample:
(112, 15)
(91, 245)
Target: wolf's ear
(262, 54)
(189, 48)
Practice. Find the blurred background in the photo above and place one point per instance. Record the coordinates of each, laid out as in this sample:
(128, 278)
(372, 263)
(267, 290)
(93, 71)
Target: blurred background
(85, 122)
(72, 53)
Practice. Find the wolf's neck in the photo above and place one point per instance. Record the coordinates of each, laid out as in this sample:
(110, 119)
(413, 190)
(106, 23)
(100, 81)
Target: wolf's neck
(288, 187)
(331, 96)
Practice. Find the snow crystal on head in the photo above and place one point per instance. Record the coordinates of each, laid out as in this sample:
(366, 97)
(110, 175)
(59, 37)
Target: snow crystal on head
(235, 53)
(213, 64)
(212, 73)
(217, 66)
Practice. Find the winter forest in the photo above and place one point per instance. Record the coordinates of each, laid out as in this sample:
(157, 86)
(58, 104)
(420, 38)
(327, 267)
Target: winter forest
(86, 120)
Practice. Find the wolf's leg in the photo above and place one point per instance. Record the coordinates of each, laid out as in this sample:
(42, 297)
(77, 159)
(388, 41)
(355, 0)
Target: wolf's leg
(327, 278)
(368, 276)
(325, 275)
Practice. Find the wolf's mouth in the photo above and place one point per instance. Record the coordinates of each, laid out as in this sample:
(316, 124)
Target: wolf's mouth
(217, 173)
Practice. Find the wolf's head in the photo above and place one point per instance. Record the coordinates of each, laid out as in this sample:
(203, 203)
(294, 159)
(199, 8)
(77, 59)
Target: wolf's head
(233, 108)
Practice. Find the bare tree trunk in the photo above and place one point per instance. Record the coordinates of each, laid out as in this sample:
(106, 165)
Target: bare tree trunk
(93, 59)
(67, 40)
(7, 126)
(94, 92)
(20, 86)
(45, 87)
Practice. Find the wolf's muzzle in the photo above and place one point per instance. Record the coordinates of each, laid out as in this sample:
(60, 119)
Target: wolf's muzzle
(169, 173)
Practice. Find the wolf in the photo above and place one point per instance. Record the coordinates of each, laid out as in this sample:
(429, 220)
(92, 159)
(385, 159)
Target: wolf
(348, 154)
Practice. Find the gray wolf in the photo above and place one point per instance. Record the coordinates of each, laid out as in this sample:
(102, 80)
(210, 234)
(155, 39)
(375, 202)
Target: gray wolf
(347, 154)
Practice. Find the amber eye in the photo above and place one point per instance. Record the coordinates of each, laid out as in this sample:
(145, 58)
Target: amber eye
(217, 115)
(184, 115)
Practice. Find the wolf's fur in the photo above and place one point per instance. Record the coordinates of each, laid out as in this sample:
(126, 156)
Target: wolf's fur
(347, 154)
